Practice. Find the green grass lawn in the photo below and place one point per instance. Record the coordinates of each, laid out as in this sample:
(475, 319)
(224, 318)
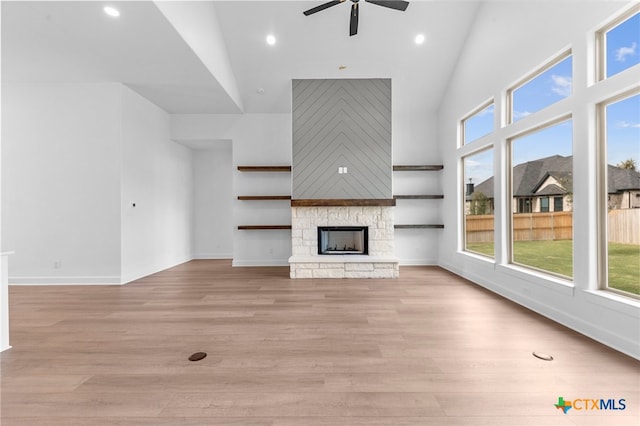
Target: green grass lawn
(557, 257)
(624, 267)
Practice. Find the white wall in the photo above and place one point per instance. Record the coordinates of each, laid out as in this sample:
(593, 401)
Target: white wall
(61, 182)
(262, 139)
(157, 177)
(415, 141)
(258, 139)
(213, 201)
(75, 159)
(507, 42)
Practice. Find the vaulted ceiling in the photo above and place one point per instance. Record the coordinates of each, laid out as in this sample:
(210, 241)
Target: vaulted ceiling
(154, 48)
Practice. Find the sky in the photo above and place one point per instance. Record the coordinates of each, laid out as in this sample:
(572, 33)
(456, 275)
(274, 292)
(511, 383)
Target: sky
(622, 117)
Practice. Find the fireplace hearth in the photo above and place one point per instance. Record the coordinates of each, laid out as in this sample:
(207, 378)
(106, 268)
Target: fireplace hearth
(339, 240)
(309, 225)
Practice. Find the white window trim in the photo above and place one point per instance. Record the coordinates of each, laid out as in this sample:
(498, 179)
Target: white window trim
(548, 64)
(601, 42)
(510, 206)
(475, 111)
(463, 222)
(602, 195)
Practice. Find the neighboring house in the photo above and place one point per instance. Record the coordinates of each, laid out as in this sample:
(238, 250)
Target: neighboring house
(623, 190)
(546, 185)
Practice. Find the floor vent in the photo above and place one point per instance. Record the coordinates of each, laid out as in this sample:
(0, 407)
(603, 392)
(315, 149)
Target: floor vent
(197, 356)
(542, 356)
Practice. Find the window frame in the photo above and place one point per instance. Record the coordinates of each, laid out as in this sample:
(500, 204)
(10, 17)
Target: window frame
(472, 114)
(510, 209)
(601, 42)
(602, 195)
(525, 205)
(463, 239)
(555, 203)
(585, 63)
(564, 54)
(542, 205)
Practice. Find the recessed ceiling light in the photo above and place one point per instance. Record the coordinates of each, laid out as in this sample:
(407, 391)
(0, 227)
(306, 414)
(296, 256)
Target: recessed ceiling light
(419, 39)
(271, 39)
(111, 11)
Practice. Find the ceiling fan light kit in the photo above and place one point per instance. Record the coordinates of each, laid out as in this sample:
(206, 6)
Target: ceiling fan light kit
(353, 21)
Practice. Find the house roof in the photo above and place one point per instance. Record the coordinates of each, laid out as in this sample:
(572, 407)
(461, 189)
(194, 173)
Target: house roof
(564, 183)
(552, 189)
(619, 180)
(529, 176)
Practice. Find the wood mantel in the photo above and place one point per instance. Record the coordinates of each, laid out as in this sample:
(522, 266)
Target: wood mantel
(340, 202)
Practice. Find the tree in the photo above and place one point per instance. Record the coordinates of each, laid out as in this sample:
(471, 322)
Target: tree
(628, 164)
(566, 183)
(479, 204)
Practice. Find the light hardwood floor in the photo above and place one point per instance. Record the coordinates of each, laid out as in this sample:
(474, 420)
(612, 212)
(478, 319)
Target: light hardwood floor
(426, 349)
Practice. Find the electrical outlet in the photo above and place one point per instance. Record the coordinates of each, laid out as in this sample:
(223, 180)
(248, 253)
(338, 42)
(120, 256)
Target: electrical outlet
(57, 264)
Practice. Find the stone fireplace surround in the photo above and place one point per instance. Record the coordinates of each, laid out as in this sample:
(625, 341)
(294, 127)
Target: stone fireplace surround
(305, 261)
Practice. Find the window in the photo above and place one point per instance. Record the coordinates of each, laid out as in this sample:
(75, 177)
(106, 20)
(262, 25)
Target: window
(546, 87)
(542, 161)
(478, 196)
(544, 204)
(557, 204)
(619, 45)
(620, 184)
(478, 124)
(524, 205)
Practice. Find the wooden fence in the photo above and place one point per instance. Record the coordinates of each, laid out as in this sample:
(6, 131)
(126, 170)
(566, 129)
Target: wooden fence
(543, 226)
(624, 226)
(479, 228)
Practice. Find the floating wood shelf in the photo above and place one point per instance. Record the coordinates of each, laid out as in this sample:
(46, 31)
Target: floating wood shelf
(264, 168)
(418, 197)
(343, 202)
(262, 227)
(417, 168)
(263, 197)
(425, 226)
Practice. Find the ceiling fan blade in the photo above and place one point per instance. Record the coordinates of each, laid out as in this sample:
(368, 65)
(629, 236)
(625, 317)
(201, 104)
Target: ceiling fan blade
(391, 4)
(353, 24)
(322, 7)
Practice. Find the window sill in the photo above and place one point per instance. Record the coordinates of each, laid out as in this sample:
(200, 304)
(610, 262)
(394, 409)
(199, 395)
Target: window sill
(626, 305)
(551, 282)
(474, 255)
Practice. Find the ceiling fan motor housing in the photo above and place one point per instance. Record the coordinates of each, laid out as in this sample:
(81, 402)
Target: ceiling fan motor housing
(353, 22)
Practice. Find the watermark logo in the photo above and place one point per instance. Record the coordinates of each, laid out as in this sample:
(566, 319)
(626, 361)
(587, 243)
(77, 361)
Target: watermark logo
(590, 404)
(563, 405)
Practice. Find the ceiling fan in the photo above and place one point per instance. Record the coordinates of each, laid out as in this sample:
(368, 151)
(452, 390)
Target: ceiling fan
(353, 24)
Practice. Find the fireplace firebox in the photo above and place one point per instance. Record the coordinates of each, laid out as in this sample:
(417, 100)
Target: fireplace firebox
(343, 240)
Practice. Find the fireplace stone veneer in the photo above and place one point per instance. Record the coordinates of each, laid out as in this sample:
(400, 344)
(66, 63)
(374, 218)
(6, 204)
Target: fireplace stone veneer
(305, 261)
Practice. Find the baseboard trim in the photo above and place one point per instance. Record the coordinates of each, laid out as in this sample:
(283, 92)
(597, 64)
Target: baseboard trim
(212, 256)
(73, 280)
(418, 262)
(141, 273)
(263, 262)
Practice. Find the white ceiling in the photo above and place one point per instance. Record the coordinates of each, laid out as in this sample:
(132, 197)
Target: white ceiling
(70, 42)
